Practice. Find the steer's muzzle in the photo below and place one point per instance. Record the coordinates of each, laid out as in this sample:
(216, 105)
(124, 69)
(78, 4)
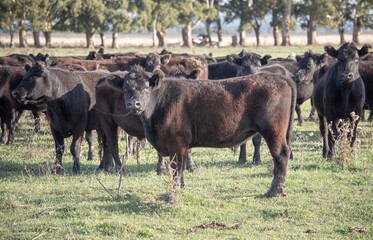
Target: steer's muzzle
(133, 105)
(347, 76)
(16, 95)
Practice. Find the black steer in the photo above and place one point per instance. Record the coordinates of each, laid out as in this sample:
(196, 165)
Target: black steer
(178, 115)
(70, 97)
(339, 92)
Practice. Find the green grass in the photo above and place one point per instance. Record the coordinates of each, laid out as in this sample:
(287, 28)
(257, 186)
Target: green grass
(324, 198)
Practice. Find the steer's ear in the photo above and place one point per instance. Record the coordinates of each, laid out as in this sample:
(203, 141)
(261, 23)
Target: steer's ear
(298, 58)
(364, 50)
(264, 60)
(243, 53)
(32, 55)
(321, 59)
(27, 67)
(158, 75)
(195, 73)
(101, 50)
(165, 58)
(331, 51)
(115, 83)
(235, 60)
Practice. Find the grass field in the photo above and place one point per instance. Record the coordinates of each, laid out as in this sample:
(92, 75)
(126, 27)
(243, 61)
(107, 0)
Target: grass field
(222, 199)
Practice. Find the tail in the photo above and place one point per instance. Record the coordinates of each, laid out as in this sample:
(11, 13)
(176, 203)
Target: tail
(293, 87)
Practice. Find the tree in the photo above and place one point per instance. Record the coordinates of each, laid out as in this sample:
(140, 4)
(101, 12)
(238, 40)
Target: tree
(33, 13)
(8, 18)
(276, 23)
(250, 12)
(190, 14)
(82, 16)
(257, 10)
(117, 17)
(363, 17)
(312, 13)
(211, 15)
(286, 13)
(20, 7)
(166, 16)
(342, 13)
(238, 9)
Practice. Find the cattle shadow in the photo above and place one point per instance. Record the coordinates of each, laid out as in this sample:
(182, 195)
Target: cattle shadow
(133, 204)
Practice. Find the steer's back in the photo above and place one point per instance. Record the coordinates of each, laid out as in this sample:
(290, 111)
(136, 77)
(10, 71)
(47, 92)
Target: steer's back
(223, 113)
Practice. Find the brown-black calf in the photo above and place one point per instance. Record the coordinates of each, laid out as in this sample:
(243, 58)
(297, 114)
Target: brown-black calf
(178, 115)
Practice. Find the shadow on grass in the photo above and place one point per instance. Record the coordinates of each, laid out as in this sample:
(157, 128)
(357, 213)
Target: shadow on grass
(132, 204)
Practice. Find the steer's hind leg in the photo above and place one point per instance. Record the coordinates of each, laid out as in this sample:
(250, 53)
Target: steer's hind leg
(3, 130)
(75, 150)
(60, 148)
(161, 166)
(91, 150)
(299, 113)
(280, 152)
(257, 141)
(190, 166)
(242, 157)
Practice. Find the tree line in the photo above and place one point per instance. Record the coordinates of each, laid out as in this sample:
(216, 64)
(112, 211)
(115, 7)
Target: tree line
(157, 16)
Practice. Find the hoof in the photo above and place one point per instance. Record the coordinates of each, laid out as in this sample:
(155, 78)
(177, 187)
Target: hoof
(161, 171)
(257, 162)
(275, 193)
(191, 168)
(108, 169)
(76, 172)
(91, 157)
(240, 161)
(117, 168)
(278, 191)
(56, 170)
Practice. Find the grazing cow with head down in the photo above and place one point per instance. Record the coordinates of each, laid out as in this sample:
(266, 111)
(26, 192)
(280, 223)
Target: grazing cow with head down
(70, 97)
(178, 115)
(339, 92)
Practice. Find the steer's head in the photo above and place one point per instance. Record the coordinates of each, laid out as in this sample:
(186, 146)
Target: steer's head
(137, 87)
(251, 63)
(347, 60)
(35, 86)
(155, 60)
(308, 64)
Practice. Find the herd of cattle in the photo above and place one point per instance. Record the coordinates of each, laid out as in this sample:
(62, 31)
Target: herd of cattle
(181, 101)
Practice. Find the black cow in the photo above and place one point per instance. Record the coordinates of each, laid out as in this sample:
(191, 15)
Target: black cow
(309, 63)
(10, 109)
(221, 70)
(17, 60)
(112, 115)
(366, 73)
(70, 99)
(339, 92)
(178, 115)
(253, 63)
